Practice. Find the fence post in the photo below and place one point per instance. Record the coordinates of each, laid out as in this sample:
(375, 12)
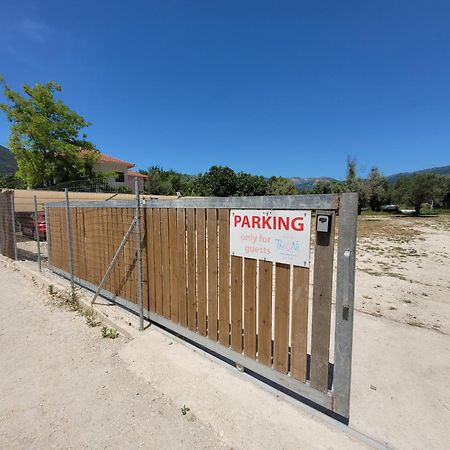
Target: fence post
(69, 237)
(345, 293)
(138, 253)
(13, 214)
(36, 232)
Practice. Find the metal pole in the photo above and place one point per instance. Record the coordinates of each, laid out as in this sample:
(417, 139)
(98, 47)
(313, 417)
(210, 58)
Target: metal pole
(36, 232)
(137, 217)
(69, 238)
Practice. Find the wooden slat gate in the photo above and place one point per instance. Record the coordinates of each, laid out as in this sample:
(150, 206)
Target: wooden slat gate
(7, 225)
(258, 314)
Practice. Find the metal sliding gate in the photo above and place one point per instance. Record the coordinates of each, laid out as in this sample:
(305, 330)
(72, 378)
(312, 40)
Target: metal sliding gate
(272, 318)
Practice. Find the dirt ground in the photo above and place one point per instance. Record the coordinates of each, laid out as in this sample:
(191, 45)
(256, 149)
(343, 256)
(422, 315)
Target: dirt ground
(64, 386)
(403, 270)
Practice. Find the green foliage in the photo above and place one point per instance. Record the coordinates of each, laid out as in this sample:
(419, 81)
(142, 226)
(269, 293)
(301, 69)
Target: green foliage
(168, 182)
(44, 136)
(378, 189)
(247, 184)
(110, 333)
(420, 188)
(11, 181)
(219, 181)
(281, 186)
(185, 409)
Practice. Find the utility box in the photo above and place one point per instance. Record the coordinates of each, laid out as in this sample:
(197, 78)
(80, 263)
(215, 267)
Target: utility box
(323, 223)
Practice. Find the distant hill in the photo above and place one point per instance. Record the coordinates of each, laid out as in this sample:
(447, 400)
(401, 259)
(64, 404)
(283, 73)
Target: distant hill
(7, 161)
(444, 170)
(304, 184)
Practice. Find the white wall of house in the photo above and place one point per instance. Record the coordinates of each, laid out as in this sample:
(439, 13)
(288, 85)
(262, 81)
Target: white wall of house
(109, 167)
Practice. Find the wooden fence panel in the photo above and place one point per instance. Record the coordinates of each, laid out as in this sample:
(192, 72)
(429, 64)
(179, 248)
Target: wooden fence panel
(236, 303)
(250, 267)
(191, 269)
(224, 273)
(299, 339)
(258, 308)
(165, 260)
(321, 314)
(200, 220)
(281, 346)
(213, 273)
(265, 313)
(182, 284)
(174, 265)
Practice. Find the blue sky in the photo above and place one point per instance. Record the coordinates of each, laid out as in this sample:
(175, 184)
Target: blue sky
(286, 88)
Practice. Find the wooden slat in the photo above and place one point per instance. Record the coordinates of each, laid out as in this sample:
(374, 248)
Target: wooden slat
(181, 257)
(55, 237)
(265, 313)
(201, 270)
(212, 273)
(236, 303)
(173, 254)
(224, 288)
(281, 341)
(157, 261)
(64, 252)
(131, 270)
(165, 262)
(82, 249)
(299, 322)
(75, 241)
(116, 233)
(321, 314)
(109, 245)
(191, 269)
(250, 307)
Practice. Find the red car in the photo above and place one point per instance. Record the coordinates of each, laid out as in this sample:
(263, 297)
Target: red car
(29, 229)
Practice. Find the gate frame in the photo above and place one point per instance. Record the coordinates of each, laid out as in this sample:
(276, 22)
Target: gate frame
(336, 401)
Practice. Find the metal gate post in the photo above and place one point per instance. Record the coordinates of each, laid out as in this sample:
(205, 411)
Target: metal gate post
(36, 232)
(345, 292)
(137, 217)
(69, 238)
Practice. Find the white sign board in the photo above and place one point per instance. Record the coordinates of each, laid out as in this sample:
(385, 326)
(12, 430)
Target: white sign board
(271, 235)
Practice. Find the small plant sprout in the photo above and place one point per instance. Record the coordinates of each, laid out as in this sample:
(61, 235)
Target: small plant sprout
(185, 409)
(51, 289)
(110, 333)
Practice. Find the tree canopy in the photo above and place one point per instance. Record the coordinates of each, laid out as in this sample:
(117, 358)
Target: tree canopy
(218, 181)
(45, 136)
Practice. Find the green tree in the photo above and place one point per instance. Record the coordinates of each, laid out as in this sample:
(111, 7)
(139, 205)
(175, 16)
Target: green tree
(353, 183)
(247, 184)
(377, 187)
(219, 181)
(11, 181)
(168, 182)
(419, 188)
(45, 136)
(281, 186)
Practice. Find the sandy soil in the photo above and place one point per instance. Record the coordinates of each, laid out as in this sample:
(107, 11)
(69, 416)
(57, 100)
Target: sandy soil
(403, 270)
(63, 386)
